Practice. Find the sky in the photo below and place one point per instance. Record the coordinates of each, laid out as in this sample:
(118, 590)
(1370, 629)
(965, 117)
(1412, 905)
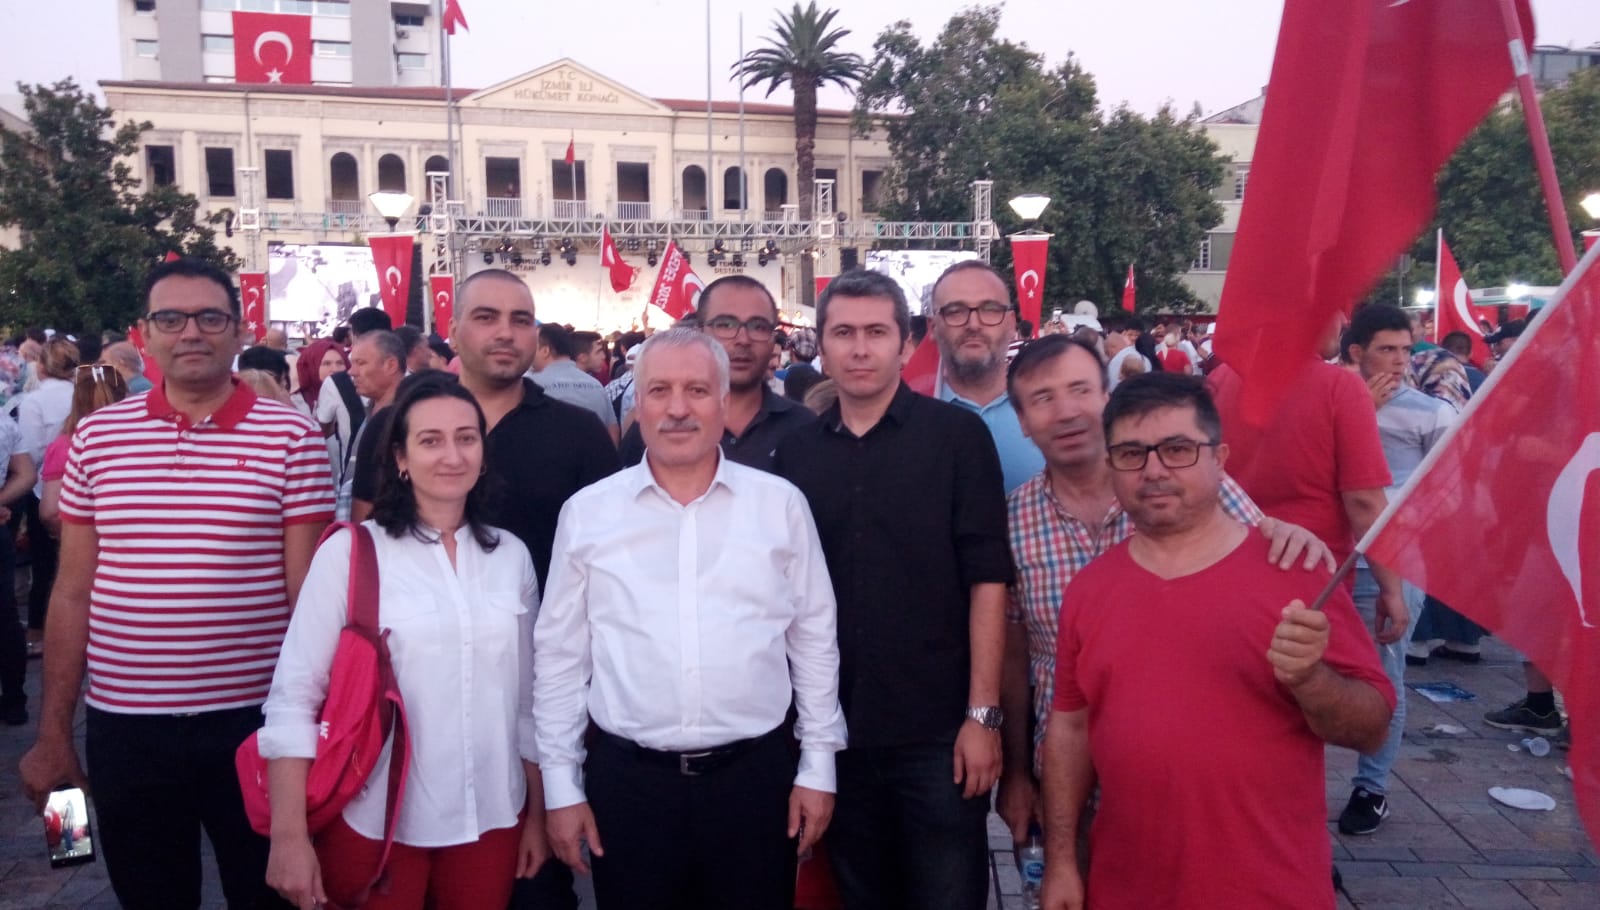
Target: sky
(1144, 53)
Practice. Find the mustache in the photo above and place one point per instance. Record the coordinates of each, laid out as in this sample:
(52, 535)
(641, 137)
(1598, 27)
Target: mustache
(678, 425)
(1158, 489)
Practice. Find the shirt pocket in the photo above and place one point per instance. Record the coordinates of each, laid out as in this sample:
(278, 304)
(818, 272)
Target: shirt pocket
(497, 636)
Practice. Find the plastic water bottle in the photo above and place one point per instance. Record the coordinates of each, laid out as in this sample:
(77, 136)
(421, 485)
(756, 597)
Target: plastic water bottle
(1537, 746)
(1031, 858)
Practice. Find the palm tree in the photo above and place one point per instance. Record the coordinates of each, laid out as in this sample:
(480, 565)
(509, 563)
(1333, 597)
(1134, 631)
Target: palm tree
(803, 54)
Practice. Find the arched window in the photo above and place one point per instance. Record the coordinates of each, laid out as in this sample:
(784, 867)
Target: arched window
(694, 192)
(775, 190)
(344, 178)
(734, 188)
(391, 174)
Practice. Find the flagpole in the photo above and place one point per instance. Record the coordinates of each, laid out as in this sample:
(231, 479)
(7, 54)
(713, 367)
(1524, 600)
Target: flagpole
(744, 178)
(711, 211)
(1438, 285)
(1539, 138)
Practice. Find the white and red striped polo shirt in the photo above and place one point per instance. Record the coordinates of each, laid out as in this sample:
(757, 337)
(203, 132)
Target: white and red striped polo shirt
(189, 605)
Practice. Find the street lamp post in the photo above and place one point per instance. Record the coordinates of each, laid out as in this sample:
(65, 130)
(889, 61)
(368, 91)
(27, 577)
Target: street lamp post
(1029, 255)
(392, 206)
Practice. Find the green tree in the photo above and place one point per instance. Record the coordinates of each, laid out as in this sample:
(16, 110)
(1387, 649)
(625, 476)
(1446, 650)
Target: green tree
(1124, 188)
(802, 53)
(90, 234)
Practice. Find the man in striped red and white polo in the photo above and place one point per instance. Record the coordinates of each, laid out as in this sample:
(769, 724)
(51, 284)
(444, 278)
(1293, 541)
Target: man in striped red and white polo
(190, 514)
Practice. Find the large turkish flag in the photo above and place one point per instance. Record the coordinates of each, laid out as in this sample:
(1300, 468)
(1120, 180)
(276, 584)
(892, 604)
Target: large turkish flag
(272, 48)
(1367, 100)
(1454, 306)
(1502, 520)
(1029, 253)
(677, 289)
(442, 290)
(391, 256)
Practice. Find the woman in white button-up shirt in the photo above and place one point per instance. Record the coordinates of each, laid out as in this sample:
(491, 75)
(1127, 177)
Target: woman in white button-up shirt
(458, 598)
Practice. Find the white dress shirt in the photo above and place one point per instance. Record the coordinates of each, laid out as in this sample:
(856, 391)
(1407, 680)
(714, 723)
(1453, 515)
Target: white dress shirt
(460, 640)
(686, 627)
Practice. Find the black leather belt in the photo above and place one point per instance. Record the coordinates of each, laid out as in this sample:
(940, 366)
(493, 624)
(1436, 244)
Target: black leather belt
(689, 764)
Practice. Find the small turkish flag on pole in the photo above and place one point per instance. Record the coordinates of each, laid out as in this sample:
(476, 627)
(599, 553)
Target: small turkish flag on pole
(572, 151)
(391, 255)
(1453, 306)
(621, 273)
(272, 48)
(253, 294)
(1502, 519)
(677, 289)
(1128, 290)
(442, 290)
(1029, 253)
(453, 17)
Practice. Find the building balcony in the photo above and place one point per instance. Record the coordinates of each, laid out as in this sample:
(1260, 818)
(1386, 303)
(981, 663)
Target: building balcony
(695, 214)
(345, 206)
(633, 211)
(569, 208)
(503, 207)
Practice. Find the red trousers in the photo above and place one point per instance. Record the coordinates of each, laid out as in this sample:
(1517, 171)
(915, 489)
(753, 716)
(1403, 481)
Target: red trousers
(462, 877)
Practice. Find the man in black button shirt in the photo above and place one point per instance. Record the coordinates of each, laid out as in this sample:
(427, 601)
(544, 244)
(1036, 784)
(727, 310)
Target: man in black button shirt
(907, 496)
(741, 314)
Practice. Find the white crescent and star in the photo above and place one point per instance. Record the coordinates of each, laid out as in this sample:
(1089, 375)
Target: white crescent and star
(391, 277)
(442, 298)
(1462, 301)
(266, 38)
(1031, 290)
(1564, 515)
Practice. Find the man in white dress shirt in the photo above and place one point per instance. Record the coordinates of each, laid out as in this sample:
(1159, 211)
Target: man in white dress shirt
(688, 604)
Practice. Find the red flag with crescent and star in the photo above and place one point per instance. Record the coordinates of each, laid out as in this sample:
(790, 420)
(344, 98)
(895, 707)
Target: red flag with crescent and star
(272, 48)
(1453, 304)
(622, 274)
(253, 297)
(1128, 290)
(442, 291)
(677, 289)
(453, 17)
(391, 256)
(1502, 519)
(1029, 253)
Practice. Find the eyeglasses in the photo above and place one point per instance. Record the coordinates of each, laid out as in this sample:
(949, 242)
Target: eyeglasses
(959, 314)
(1173, 453)
(727, 328)
(212, 322)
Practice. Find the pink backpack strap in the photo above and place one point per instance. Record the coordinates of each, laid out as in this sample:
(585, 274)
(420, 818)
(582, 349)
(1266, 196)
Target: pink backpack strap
(361, 592)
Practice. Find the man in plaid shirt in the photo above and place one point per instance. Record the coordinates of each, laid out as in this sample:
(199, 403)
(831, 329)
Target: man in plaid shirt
(1059, 521)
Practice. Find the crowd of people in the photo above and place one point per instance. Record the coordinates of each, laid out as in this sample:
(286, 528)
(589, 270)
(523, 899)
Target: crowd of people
(680, 610)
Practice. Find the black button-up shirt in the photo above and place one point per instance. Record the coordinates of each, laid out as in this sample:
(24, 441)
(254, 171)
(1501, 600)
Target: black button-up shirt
(756, 447)
(538, 455)
(911, 515)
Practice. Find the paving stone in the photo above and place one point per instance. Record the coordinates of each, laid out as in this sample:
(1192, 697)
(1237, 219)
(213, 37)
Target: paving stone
(1485, 895)
(1409, 893)
(1584, 873)
(1534, 857)
(1508, 873)
(1425, 870)
(1447, 854)
(1364, 869)
(1380, 852)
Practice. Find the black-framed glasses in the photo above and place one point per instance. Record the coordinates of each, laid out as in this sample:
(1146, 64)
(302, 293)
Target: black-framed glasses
(212, 322)
(1173, 453)
(727, 328)
(959, 314)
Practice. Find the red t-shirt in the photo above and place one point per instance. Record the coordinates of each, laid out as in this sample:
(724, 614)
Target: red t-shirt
(1322, 442)
(1174, 360)
(1211, 783)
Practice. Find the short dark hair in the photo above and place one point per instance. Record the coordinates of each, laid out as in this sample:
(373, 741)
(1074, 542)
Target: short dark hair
(1121, 322)
(341, 335)
(799, 380)
(1372, 319)
(410, 336)
(1047, 349)
(1147, 393)
(394, 505)
(1025, 329)
(389, 345)
(268, 359)
(189, 267)
(967, 265)
(1457, 343)
(557, 339)
(583, 342)
(734, 281)
(370, 319)
(865, 283)
(919, 328)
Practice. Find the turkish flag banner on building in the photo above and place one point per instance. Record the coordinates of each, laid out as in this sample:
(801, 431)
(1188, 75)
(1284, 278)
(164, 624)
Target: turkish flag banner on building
(1342, 178)
(1128, 290)
(1453, 305)
(622, 274)
(253, 297)
(453, 17)
(1502, 520)
(272, 48)
(442, 291)
(677, 289)
(1029, 252)
(391, 256)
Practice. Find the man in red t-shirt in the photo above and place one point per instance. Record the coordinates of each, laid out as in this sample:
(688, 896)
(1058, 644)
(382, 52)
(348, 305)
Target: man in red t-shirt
(1196, 687)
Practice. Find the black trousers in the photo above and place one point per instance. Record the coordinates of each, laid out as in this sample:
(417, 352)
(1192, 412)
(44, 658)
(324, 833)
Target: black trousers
(43, 551)
(13, 642)
(158, 780)
(676, 842)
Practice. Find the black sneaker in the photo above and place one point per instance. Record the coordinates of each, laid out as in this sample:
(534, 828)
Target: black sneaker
(1518, 716)
(1364, 813)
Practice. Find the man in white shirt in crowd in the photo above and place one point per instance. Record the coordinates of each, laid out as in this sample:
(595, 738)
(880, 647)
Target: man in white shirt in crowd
(689, 603)
(562, 379)
(1122, 330)
(340, 408)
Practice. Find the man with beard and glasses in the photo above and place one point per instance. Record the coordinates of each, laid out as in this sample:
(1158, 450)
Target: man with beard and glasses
(974, 324)
(740, 313)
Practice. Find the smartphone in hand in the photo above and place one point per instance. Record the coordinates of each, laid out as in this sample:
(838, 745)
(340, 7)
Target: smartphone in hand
(67, 835)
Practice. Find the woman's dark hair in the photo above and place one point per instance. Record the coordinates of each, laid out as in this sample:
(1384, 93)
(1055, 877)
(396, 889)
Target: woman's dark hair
(799, 380)
(394, 505)
(1146, 346)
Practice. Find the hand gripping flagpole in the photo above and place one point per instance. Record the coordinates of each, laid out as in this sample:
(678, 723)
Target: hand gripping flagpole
(1539, 138)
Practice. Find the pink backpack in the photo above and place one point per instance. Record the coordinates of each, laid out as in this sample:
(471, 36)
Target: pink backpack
(363, 705)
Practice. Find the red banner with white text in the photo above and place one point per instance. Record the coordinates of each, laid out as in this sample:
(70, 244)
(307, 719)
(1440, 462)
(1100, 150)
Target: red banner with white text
(677, 289)
(253, 298)
(391, 255)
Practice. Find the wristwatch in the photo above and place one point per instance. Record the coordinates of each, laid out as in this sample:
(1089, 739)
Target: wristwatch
(990, 716)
